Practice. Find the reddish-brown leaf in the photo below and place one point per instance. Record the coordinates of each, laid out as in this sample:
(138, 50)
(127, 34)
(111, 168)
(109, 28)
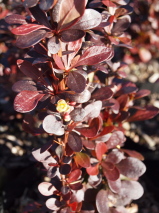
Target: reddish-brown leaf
(101, 149)
(93, 169)
(26, 29)
(82, 159)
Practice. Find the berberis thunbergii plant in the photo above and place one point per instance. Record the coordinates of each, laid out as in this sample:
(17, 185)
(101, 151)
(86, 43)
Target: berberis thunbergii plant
(70, 43)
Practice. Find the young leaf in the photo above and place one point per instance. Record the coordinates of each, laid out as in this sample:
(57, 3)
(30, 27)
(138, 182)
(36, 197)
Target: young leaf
(46, 188)
(26, 101)
(26, 29)
(121, 25)
(102, 201)
(25, 41)
(66, 13)
(71, 35)
(75, 142)
(90, 19)
(131, 167)
(76, 81)
(82, 159)
(94, 55)
(100, 150)
(52, 125)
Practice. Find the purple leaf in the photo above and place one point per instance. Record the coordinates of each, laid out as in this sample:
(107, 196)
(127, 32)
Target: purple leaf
(75, 142)
(102, 201)
(66, 13)
(26, 101)
(131, 167)
(121, 25)
(110, 171)
(142, 93)
(90, 19)
(80, 97)
(15, 19)
(77, 114)
(53, 45)
(103, 93)
(76, 81)
(115, 156)
(94, 55)
(24, 85)
(46, 4)
(25, 41)
(46, 188)
(115, 186)
(52, 125)
(40, 16)
(71, 35)
(65, 169)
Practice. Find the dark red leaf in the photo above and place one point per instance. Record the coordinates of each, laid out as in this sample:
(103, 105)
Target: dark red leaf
(142, 93)
(67, 13)
(93, 169)
(15, 19)
(46, 4)
(25, 41)
(53, 45)
(101, 149)
(30, 3)
(131, 167)
(133, 153)
(74, 175)
(71, 35)
(103, 93)
(40, 16)
(76, 186)
(65, 210)
(145, 114)
(110, 174)
(102, 201)
(26, 29)
(92, 130)
(75, 142)
(82, 159)
(123, 100)
(29, 70)
(126, 90)
(76, 81)
(46, 188)
(89, 144)
(90, 19)
(24, 85)
(26, 101)
(52, 125)
(94, 55)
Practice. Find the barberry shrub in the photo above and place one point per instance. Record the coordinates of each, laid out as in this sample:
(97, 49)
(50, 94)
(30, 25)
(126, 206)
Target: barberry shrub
(76, 96)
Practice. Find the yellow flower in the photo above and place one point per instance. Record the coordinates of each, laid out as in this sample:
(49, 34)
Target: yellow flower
(62, 106)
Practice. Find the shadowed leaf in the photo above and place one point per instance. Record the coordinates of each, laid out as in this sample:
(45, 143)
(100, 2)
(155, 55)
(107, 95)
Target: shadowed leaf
(46, 4)
(26, 29)
(24, 85)
(30, 3)
(76, 81)
(15, 19)
(121, 25)
(71, 35)
(75, 142)
(65, 169)
(103, 93)
(74, 175)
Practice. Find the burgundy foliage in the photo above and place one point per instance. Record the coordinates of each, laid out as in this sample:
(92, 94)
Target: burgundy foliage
(68, 42)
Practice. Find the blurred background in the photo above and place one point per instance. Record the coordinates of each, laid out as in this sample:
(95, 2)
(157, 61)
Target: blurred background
(19, 175)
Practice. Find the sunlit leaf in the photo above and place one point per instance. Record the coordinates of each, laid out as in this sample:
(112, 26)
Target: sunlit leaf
(53, 204)
(93, 169)
(131, 167)
(66, 13)
(82, 159)
(77, 114)
(115, 156)
(46, 4)
(94, 55)
(26, 101)
(93, 110)
(52, 125)
(117, 138)
(53, 45)
(80, 97)
(26, 29)
(90, 19)
(115, 186)
(102, 201)
(103, 93)
(74, 175)
(46, 188)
